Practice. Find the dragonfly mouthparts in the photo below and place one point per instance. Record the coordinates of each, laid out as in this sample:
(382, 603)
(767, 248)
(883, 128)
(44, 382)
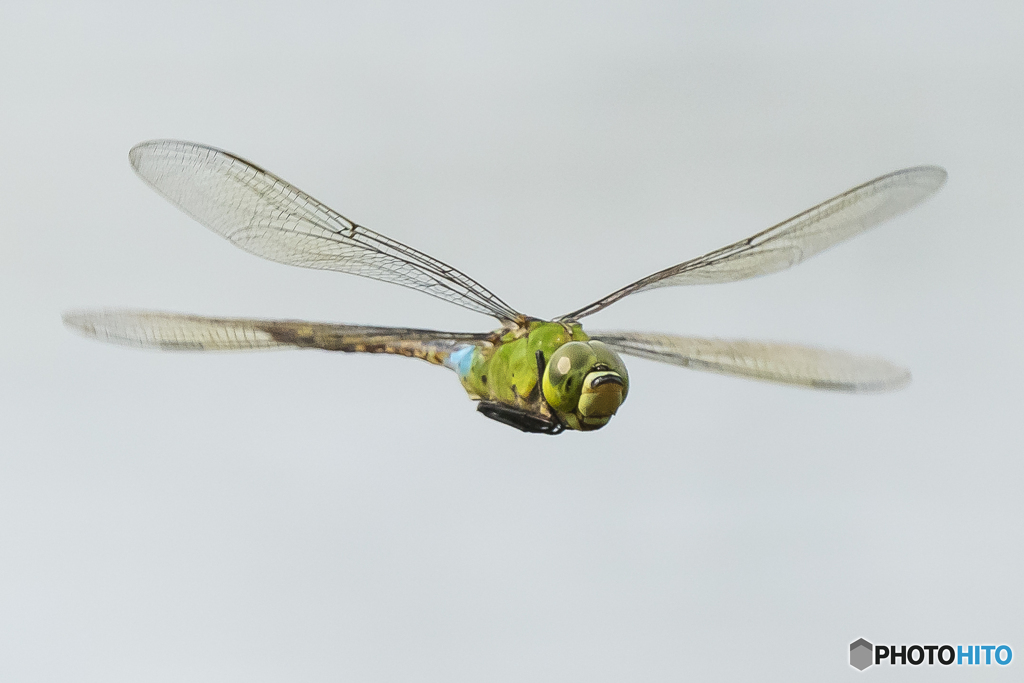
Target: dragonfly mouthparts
(606, 379)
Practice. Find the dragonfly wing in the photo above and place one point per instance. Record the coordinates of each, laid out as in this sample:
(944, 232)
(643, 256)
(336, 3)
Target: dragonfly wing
(792, 241)
(266, 216)
(784, 363)
(171, 331)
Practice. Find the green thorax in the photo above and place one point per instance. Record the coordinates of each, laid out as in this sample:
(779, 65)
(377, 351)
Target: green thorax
(546, 370)
(507, 370)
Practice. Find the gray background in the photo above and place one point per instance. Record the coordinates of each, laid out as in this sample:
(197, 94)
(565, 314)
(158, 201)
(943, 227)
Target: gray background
(298, 516)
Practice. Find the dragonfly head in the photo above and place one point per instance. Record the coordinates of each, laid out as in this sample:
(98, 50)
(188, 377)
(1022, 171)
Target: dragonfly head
(585, 383)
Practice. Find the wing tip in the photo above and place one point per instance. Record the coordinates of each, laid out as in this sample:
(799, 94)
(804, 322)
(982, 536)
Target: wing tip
(883, 378)
(137, 151)
(929, 177)
(900, 379)
(138, 154)
(81, 322)
(101, 324)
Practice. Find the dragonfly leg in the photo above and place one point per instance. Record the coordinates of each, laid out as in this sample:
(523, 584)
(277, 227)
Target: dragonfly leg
(520, 418)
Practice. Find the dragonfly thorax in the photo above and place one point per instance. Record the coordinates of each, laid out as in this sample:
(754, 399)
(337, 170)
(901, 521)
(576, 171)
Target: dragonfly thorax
(550, 370)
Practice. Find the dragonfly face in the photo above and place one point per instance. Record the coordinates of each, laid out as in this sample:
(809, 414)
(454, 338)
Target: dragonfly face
(585, 383)
(533, 375)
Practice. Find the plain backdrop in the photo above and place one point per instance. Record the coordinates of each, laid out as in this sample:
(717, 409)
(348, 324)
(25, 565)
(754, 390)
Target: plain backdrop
(302, 516)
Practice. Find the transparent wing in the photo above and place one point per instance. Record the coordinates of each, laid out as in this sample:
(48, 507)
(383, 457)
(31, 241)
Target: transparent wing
(267, 216)
(796, 239)
(171, 331)
(785, 363)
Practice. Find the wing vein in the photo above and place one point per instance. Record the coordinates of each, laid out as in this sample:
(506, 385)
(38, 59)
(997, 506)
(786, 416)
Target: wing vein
(265, 215)
(774, 362)
(794, 240)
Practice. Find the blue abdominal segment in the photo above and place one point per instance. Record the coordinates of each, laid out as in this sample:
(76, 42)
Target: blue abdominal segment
(461, 360)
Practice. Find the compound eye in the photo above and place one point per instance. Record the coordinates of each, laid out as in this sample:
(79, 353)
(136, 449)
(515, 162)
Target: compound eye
(607, 357)
(564, 375)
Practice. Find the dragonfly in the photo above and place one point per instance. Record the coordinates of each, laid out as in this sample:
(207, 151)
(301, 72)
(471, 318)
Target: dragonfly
(539, 376)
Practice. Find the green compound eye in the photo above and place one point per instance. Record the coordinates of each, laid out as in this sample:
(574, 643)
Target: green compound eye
(610, 359)
(564, 375)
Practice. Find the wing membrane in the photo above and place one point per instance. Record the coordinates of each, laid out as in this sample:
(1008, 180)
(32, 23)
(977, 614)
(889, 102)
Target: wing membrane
(171, 331)
(266, 216)
(794, 240)
(784, 363)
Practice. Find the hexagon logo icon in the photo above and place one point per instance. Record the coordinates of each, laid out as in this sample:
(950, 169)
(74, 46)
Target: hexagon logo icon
(860, 654)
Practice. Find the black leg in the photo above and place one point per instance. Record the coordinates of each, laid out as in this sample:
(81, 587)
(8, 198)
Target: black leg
(521, 419)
